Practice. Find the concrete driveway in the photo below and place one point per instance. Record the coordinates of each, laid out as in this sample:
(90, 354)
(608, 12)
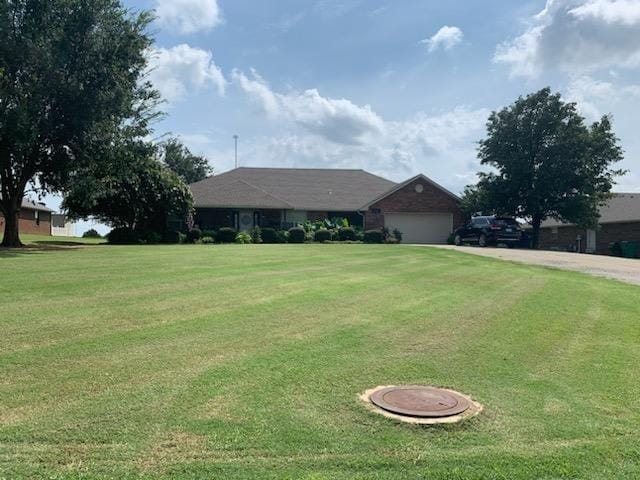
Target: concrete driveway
(624, 269)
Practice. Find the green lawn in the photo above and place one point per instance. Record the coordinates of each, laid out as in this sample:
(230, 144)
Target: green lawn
(247, 361)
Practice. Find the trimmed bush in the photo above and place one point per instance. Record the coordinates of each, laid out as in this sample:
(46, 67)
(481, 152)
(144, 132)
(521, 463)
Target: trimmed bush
(209, 233)
(207, 240)
(347, 234)
(322, 236)
(173, 236)
(226, 235)
(151, 238)
(91, 233)
(281, 236)
(296, 235)
(122, 236)
(391, 241)
(194, 235)
(269, 235)
(397, 234)
(373, 236)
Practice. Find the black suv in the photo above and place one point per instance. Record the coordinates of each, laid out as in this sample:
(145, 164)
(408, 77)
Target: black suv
(489, 231)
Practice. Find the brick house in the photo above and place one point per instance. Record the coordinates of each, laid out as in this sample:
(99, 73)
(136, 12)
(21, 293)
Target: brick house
(244, 198)
(35, 218)
(619, 220)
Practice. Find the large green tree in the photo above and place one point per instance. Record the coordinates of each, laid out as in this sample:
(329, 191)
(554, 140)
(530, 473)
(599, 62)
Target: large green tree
(546, 162)
(130, 189)
(71, 73)
(178, 158)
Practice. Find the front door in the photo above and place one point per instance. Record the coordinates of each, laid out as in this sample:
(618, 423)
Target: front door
(245, 220)
(591, 241)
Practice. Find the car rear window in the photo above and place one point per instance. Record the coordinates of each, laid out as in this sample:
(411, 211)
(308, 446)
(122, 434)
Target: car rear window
(503, 222)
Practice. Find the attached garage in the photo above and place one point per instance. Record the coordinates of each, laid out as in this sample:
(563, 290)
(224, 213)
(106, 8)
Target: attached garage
(421, 227)
(422, 210)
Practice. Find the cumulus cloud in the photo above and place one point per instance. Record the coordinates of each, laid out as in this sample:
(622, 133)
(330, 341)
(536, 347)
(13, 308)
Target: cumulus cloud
(595, 98)
(327, 132)
(446, 38)
(338, 120)
(188, 16)
(175, 71)
(577, 36)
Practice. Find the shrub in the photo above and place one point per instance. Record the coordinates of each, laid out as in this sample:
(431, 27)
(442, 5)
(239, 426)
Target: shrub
(194, 235)
(91, 233)
(151, 238)
(347, 234)
(226, 235)
(322, 236)
(451, 239)
(269, 235)
(256, 235)
(243, 238)
(397, 234)
(209, 233)
(391, 240)
(173, 236)
(296, 235)
(282, 236)
(373, 236)
(122, 236)
(207, 240)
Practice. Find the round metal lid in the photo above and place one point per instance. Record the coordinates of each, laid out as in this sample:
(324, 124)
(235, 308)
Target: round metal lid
(417, 401)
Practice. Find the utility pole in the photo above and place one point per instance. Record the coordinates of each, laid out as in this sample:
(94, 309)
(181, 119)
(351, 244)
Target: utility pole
(235, 137)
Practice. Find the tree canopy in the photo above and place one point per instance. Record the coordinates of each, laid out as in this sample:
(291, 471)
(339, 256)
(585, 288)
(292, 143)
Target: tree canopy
(130, 189)
(179, 159)
(545, 162)
(71, 75)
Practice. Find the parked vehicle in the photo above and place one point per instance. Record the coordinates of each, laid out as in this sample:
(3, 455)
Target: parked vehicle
(489, 231)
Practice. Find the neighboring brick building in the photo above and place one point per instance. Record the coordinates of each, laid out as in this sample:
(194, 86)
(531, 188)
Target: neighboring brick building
(282, 197)
(35, 218)
(619, 220)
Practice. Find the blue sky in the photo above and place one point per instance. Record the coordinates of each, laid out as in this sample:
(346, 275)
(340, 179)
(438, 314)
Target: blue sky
(397, 87)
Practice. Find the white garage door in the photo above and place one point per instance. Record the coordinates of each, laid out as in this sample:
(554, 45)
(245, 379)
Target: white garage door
(421, 227)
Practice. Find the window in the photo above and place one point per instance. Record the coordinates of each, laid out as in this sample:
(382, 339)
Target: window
(36, 215)
(554, 233)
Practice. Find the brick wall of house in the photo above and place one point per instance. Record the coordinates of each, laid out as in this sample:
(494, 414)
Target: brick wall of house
(29, 225)
(566, 236)
(407, 199)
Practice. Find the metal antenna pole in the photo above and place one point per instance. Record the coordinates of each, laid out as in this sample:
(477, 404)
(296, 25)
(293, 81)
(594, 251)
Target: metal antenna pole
(235, 137)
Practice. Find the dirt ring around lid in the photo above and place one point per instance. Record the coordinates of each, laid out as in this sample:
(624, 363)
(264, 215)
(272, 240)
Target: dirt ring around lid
(472, 409)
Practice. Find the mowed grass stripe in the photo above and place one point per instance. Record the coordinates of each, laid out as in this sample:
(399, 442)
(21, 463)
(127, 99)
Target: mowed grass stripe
(246, 362)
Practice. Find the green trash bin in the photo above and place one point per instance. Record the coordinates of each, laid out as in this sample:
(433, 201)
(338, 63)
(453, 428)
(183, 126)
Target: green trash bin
(630, 249)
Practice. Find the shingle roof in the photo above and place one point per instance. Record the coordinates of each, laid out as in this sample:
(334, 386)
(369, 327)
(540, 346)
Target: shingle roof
(290, 188)
(31, 205)
(622, 207)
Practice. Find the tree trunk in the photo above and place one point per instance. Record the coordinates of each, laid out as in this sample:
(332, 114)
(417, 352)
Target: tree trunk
(535, 231)
(11, 238)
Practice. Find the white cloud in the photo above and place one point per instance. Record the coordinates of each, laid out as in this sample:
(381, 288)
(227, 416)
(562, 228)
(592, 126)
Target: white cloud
(576, 36)
(326, 132)
(188, 16)
(446, 38)
(175, 71)
(595, 98)
(338, 120)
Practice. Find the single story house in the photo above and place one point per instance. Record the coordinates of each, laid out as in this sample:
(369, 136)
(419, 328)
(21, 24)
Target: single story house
(35, 218)
(243, 198)
(619, 220)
